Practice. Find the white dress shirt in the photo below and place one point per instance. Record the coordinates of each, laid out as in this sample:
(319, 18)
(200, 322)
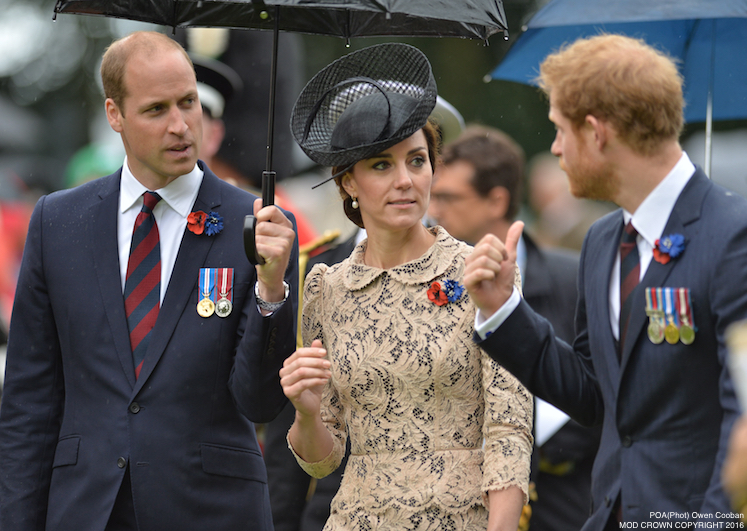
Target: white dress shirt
(649, 220)
(177, 200)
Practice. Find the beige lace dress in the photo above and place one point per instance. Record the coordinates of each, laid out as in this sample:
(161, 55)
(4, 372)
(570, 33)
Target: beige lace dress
(433, 422)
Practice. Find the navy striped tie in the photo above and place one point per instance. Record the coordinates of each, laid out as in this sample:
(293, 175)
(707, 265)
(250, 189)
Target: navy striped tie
(630, 270)
(143, 281)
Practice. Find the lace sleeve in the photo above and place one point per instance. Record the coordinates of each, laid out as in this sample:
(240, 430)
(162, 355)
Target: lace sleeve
(312, 305)
(331, 410)
(507, 429)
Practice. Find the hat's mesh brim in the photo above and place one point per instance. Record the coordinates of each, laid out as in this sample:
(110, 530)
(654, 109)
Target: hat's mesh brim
(398, 68)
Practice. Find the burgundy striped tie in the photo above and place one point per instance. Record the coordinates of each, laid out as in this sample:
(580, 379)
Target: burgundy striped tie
(630, 270)
(143, 282)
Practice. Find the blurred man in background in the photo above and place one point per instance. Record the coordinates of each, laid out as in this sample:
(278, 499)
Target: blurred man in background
(560, 220)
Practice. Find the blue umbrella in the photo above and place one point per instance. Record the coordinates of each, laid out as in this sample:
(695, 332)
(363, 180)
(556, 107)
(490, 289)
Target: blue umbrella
(708, 37)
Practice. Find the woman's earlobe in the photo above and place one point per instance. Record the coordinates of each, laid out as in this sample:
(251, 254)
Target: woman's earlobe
(348, 186)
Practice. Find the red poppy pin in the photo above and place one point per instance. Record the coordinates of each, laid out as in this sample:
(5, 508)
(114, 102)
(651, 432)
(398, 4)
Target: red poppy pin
(198, 222)
(451, 292)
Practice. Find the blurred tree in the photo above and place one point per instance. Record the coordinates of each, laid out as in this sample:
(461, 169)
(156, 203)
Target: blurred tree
(47, 69)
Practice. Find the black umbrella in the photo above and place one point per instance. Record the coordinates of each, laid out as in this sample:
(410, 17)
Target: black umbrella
(474, 19)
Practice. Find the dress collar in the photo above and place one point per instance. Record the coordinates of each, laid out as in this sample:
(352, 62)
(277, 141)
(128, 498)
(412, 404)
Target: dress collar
(434, 263)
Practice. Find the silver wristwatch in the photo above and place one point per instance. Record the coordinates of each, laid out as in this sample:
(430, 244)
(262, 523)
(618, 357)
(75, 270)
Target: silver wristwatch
(270, 306)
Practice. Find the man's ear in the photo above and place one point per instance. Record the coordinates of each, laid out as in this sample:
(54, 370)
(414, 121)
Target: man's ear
(599, 129)
(113, 115)
(499, 198)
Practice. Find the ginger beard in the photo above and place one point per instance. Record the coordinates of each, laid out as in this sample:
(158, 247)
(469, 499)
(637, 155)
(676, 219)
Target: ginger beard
(589, 178)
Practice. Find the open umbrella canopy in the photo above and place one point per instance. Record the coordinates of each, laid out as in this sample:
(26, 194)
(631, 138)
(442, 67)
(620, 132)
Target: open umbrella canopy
(708, 37)
(478, 19)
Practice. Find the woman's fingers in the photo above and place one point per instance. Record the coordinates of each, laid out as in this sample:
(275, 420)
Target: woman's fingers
(304, 374)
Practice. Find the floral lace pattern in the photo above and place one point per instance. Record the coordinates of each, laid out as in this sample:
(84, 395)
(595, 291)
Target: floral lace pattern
(413, 392)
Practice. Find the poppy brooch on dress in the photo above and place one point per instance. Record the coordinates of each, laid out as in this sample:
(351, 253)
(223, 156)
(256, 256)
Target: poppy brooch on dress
(668, 247)
(211, 224)
(450, 292)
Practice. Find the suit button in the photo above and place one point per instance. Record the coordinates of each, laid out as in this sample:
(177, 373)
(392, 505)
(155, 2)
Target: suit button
(121, 462)
(134, 407)
(627, 441)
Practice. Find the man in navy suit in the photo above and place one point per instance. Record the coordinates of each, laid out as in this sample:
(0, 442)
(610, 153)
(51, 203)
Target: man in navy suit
(660, 389)
(93, 437)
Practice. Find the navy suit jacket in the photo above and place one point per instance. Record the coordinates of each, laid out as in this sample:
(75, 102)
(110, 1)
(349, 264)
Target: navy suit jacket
(666, 410)
(74, 416)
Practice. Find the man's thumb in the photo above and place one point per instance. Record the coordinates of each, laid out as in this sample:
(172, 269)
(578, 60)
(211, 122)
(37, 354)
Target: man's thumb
(512, 238)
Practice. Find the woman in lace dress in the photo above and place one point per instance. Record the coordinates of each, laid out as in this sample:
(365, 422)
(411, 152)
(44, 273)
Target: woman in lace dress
(440, 434)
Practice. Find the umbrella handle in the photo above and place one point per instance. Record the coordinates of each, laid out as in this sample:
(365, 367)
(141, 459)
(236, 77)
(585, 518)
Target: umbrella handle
(250, 222)
(268, 176)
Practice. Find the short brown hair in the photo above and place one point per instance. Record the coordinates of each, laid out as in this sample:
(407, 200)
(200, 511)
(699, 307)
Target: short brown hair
(622, 80)
(498, 161)
(114, 62)
(432, 139)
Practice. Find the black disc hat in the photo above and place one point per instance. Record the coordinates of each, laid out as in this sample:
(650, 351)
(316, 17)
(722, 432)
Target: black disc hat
(363, 103)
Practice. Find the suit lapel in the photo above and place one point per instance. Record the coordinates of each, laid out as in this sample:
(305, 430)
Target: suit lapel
(686, 211)
(598, 294)
(106, 264)
(191, 257)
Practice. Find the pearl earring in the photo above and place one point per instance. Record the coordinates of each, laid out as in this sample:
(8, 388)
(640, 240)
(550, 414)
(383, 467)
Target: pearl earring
(354, 204)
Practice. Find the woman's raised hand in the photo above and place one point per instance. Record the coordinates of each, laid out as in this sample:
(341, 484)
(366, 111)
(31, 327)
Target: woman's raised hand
(303, 376)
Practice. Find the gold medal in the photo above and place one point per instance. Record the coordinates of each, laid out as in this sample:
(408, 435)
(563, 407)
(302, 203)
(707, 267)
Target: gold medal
(205, 307)
(655, 328)
(223, 308)
(687, 335)
(671, 330)
(687, 331)
(671, 333)
(655, 331)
